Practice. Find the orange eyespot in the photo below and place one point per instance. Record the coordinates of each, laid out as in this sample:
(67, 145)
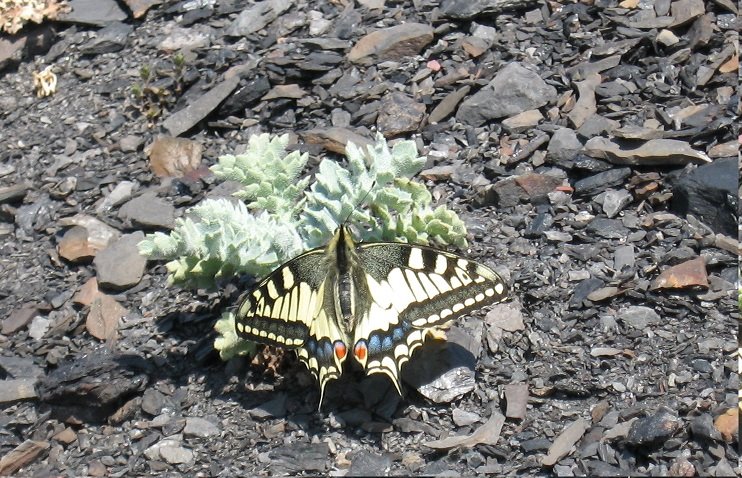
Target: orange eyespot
(361, 351)
(340, 350)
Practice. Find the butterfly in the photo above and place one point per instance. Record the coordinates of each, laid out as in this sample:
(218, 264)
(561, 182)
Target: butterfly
(373, 301)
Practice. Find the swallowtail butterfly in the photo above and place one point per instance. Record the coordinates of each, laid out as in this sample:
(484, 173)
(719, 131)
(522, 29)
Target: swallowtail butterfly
(372, 301)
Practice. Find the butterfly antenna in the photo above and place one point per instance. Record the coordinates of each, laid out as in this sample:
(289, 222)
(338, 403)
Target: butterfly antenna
(359, 203)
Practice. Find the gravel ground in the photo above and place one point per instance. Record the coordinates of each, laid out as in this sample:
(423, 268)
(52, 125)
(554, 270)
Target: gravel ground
(591, 148)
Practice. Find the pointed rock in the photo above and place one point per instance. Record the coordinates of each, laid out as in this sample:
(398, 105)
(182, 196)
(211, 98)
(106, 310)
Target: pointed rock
(688, 274)
(391, 44)
(655, 152)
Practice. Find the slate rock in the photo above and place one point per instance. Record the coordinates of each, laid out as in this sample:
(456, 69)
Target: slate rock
(140, 7)
(524, 121)
(109, 39)
(590, 165)
(299, 458)
(614, 201)
(584, 70)
(509, 192)
(583, 289)
(174, 157)
(702, 365)
(638, 316)
(186, 118)
(443, 371)
(120, 266)
(12, 390)
(466, 9)
(94, 385)
(34, 217)
(123, 190)
(709, 192)
(585, 106)
(596, 183)
(408, 425)
(513, 90)
(723, 469)
(565, 441)
(335, 139)
(624, 258)
(701, 32)
(563, 146)
(20, 367)
(18, 319)
(38, 327)
(597, 125)
(690, 273)
(93, 12)
(244, 97)
(535, 444)
(366, 463)
(257, 17)
(176, 454)
(486, 434)
(22, 455)
(14, 193)
(391, 44)
(103, 317)
(516, 397)
(654, 429)
(464, 418)
(603, 469)
(655, 152)
(200, 427)
(157, 403)
(540, 223)
(399, 114)
(148, 211)
(727, 423)
(185, 39)
(99, 234)
(684, 11)
(607, 228)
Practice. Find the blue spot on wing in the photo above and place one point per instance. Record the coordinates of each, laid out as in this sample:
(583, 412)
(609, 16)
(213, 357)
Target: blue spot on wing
(397, 334)
(327, 349)
(374, 344)
(387, 344)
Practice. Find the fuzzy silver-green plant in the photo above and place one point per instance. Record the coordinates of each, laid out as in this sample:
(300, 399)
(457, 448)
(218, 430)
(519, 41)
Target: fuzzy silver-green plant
(221, 238)
(286, 215)
(269, 176)
(227, 343)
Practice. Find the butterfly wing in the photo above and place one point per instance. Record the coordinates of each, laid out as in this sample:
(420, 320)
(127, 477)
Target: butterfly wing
(280, 309)
(294, 308)
(414, 289)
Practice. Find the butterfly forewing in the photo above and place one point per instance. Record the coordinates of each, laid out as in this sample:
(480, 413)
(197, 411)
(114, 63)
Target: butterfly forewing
(281, 308)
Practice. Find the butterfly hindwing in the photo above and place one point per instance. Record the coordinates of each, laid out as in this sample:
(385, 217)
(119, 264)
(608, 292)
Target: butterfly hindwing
(415, 289)
(324, 350)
